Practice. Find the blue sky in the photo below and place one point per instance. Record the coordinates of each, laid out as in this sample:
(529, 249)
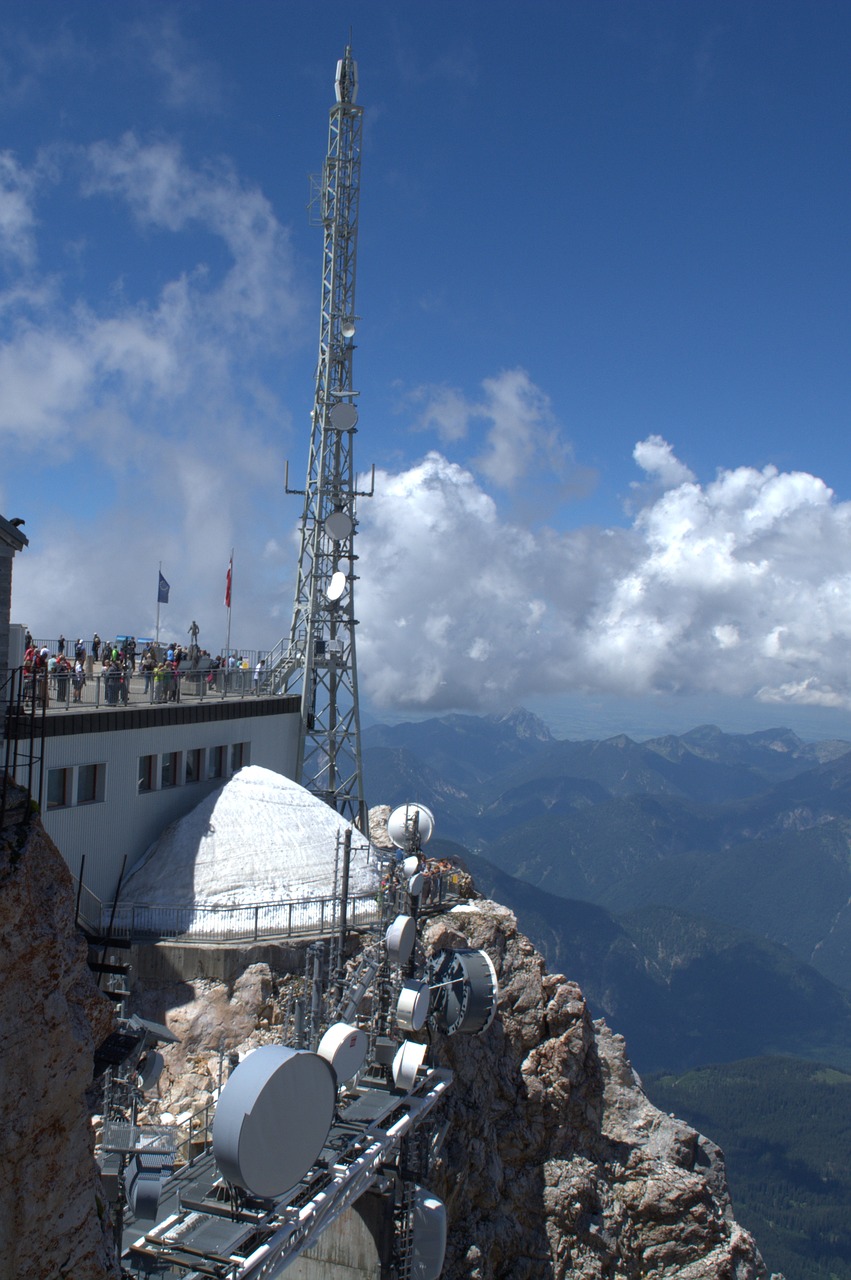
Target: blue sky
(604, 279)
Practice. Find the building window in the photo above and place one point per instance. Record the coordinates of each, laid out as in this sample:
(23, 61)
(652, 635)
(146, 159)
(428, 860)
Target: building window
(217, 762)
(194, 765)
(147, 773)
(90, 783)
(169, 769)
(58, 788)
(238, 756)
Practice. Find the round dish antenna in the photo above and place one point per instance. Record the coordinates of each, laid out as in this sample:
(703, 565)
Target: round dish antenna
(428, 1235)
(345, 1048)
(343, 416)
(410, 826)
(464, 991)
(407, 1063)
(338, 525)
(412, 1006)
(273, 1117)
(400, 939)
(337, 585)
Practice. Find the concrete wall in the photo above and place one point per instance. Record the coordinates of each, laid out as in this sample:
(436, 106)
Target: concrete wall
(358, 1246)
(125, 820)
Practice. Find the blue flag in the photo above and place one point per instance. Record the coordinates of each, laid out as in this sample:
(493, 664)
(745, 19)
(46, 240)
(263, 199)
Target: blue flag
(162, 593)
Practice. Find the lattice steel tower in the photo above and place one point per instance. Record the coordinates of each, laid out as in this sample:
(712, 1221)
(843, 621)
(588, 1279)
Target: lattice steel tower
(319, 661)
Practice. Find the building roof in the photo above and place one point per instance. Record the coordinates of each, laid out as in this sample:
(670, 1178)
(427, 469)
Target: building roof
(11, 536)
(260, 838)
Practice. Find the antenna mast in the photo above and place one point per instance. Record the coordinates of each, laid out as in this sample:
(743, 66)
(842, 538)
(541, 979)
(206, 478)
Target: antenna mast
(320, 660)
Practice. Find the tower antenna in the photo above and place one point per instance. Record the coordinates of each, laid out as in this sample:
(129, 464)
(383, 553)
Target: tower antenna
(319, 661)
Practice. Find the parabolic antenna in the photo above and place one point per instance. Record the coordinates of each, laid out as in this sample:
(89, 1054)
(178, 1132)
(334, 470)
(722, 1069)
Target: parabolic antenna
(337, 585)
(343, 416)
(344, 1046)
(410, 825)
(415, 884)
(273, 1117)
(400, 938)
(411, 865)
(464, 991)
(428, 1236)
(412, 1005)
(338, 525)
(407, 1063)
(144, 1180)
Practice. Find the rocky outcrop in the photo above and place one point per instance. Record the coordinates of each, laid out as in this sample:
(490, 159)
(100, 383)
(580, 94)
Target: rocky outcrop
(555, 1164)
(52, 1219)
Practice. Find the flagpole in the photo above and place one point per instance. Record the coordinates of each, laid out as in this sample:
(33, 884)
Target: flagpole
(158, 604)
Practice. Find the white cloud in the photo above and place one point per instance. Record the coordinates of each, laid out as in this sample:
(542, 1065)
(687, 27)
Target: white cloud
(739, 587)
(519, 431)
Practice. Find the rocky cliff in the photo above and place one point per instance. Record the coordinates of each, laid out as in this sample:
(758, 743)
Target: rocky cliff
(51, 1218)
(555, 1164)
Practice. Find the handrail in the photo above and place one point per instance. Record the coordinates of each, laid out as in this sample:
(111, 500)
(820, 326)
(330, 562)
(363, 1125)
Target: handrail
(298, 917)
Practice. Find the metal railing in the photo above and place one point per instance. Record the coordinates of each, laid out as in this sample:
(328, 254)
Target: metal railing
(296, 918)
(58, 691)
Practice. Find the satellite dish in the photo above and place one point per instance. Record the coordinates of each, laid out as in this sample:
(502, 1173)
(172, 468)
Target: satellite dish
(338, 525)
(412, 1005)
(410, 825)
(400, 938)
(273, 1117)
(428, 1235)
(144, 1180)
(464, 991)
(150, 1070)
(411, 865)
(415, 884)
(407, 1063)
(343, 416)
(344, 1046)
(336, 586)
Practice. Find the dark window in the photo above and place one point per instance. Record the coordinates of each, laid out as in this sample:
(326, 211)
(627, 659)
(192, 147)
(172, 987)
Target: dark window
(237, 756)
(169, 769)
(217, 762)
(194, 765)
(58, 788)
(147, 772)
(90, 778)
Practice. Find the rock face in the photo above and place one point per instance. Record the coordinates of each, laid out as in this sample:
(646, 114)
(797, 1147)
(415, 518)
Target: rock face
(51, 1219)
(555, 1164)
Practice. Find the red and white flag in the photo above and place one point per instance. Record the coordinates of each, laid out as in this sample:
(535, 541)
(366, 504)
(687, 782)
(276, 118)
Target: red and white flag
(228, 583)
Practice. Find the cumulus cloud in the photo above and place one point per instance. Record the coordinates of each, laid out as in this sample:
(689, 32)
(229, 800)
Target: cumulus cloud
(741, 587)
(517, 430)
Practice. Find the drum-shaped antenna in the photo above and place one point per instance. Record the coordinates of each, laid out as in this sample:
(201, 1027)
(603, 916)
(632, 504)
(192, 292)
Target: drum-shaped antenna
(428, 1235)
(338, 525)
(400, 939)
(412, 1005)
(273, 1117)
(336, 586)
(464, 991)
(407, 1063)
(345, 1047)
(410, 826)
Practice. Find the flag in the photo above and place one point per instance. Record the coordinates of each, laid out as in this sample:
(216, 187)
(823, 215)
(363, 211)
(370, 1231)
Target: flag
(163, 590)
(228, 581)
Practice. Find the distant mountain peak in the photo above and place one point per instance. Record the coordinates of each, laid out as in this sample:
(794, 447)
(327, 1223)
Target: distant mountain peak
(524, 723)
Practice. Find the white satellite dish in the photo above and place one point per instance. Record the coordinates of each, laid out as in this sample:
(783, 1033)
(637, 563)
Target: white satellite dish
(343, 416)
(407, 1063)
(344, 1046)
(273, 1117)
(416, 884)
(400, 938)
(338, 525)
(410, 824)
(428, 1235)
(412, 1006)
(336, 586)
(411, 865)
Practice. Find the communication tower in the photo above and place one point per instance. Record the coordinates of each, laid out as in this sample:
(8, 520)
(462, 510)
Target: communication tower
(319, 662)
